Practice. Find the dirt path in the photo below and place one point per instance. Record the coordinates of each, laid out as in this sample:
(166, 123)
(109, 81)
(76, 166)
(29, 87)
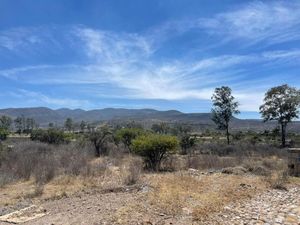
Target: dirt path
(271, 207)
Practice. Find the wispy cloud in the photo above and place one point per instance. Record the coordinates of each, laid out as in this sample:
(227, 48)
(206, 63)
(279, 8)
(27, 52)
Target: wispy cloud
(39, 98)
(125, 65)
(271, 22)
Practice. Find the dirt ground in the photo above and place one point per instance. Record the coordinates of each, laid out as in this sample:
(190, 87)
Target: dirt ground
(180, 198)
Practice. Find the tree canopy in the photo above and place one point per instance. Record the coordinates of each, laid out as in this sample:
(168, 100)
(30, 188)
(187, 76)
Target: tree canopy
(281, 103)
(225, 107)
(154, 148)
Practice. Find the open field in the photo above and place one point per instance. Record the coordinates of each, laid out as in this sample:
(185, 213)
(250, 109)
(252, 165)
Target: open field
(115, 189)
(189, 197)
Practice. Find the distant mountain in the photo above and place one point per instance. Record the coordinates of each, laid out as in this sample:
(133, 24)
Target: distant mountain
(43, 116)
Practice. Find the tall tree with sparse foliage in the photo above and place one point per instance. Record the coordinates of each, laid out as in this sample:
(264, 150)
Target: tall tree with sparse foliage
(98, 138)
(5, 122)
(69, 125)
(19, 124)
(281, 103)
(225, 107)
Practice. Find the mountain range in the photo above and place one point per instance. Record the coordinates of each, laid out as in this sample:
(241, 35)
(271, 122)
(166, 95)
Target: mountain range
(43, 116)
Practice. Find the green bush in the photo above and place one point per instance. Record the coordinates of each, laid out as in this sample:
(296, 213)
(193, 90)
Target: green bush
(3, 134)
(187, 141)
(127, 135)
(50, 136)
(154, 148)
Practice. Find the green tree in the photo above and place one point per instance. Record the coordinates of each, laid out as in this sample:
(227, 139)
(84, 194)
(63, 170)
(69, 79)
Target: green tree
(99, 137)
(30, 125)
(83, 125)
(3, 134)
(19, 124)
(154, 148)
(5, 122)
(225, 107)
(181, 129)
(186, 142)
(69, 125)
(281, 103)
(160, 128)
(50, 136)
(126, 135)
(23, 123)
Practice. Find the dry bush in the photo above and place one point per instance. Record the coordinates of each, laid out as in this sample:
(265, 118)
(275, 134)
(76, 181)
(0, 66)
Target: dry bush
(241, 149)
(212, 162)
(132, 167)
(97, 167)
(278, 180)
(22, 160)
(176, 193)
(6, 178)
(37, 191)
(73, 159)
(264, 166)
(175, 163)
(45, 170)
(170, 192)
(43, 161)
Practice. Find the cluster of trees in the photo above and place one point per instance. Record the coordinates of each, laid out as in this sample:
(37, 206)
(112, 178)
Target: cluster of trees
(71, 126)
(5, 124)
(21, 124)
(153, 145)
(50, 136)
(281, 104)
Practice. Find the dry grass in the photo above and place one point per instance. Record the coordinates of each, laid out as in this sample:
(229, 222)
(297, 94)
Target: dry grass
(203, 195)
(101, 174)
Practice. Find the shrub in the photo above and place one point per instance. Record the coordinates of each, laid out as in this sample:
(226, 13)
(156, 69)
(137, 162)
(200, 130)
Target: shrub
(50, 136)
(99, 138)
(133, 167)
(127, 135)
(154, 148)
(3, 134)
(42, 161)
(279, 180)
(187, 141)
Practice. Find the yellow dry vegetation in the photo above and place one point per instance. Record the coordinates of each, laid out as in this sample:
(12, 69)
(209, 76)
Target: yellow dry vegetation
(202, 195)
(57, 188)
(101, 177)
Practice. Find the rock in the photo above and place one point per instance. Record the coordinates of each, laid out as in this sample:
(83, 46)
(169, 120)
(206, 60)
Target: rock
(238, 170)
(291, 219)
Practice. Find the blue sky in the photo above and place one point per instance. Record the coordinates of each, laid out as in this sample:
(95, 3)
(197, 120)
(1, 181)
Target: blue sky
(165, 54)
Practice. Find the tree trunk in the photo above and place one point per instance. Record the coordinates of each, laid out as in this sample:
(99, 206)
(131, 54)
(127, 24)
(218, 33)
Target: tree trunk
(227, 134)
(283, 134)
(97, 149)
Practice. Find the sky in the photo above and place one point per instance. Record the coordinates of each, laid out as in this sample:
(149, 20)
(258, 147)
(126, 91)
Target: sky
(160, 54)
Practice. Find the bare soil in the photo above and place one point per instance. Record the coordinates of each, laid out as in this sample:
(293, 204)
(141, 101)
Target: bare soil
(172, 198)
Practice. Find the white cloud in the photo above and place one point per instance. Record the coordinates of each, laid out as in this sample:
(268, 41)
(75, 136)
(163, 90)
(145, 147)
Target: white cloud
(272, 22)
(145, 79)
(127, 61)
(39, 98)
(113, 47)
(249, 101)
